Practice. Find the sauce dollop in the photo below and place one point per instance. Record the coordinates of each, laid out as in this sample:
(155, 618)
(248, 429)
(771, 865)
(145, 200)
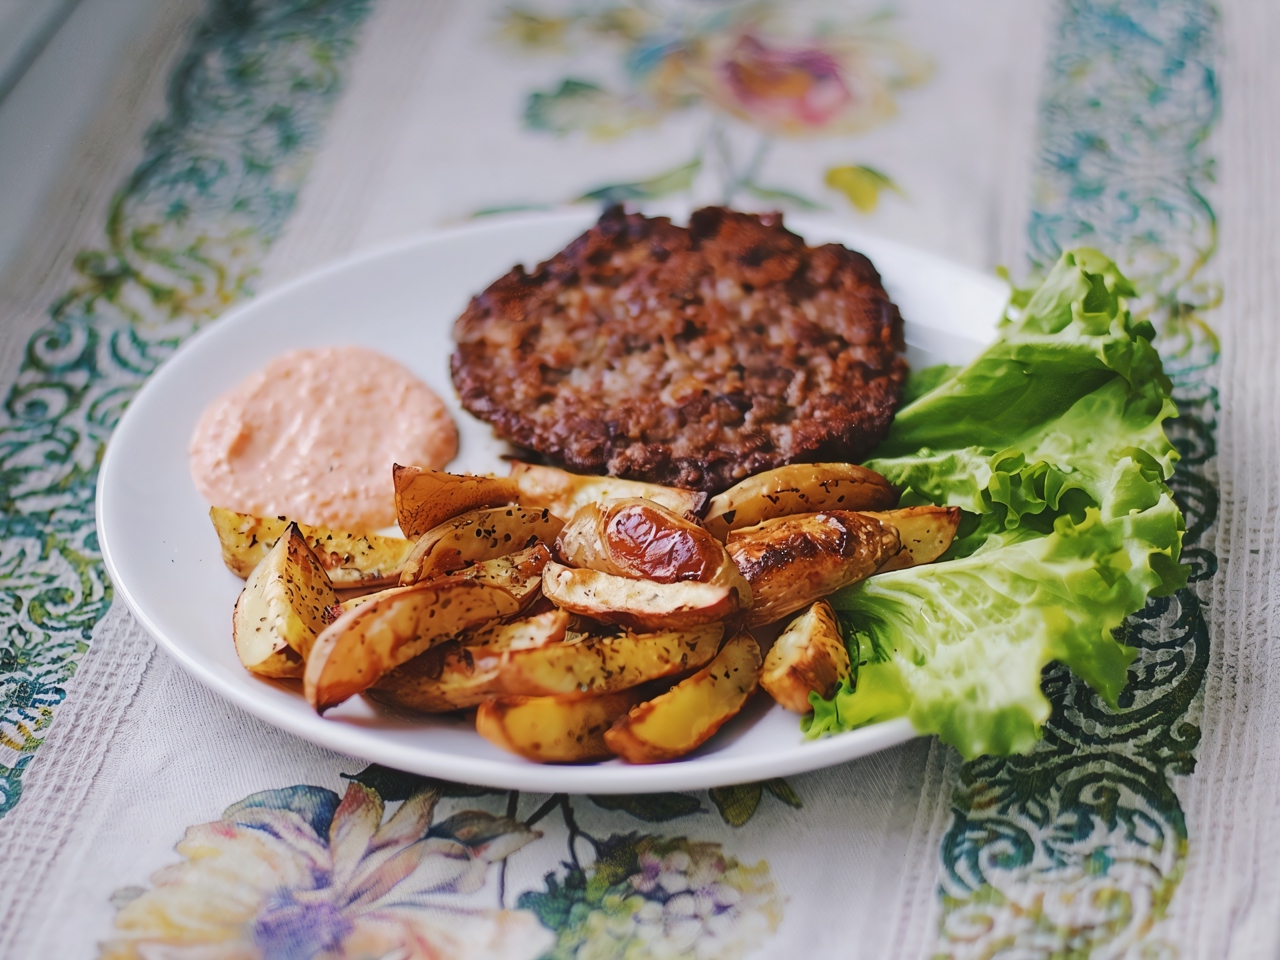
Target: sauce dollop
(313, 435)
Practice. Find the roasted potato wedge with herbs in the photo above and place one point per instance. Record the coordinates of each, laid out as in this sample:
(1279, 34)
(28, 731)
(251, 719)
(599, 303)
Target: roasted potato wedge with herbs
(642, 604)
(350, 559)
(520, 574)
(286, 603)
(553, 729)
(597, 665)
(925, 532)
(797, 488)
(809, 656)
(464, 672)
(484, 534)
(531, 631)
(427, 498)
(792, 561)
(365, 643)
(646, 541)
(351, 602)
(565, 493)
(687, 715)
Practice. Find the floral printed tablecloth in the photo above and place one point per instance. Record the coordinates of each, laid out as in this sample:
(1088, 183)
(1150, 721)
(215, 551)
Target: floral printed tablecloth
(250, 140)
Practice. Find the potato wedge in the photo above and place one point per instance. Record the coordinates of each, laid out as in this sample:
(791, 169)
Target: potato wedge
(531, 631)
(686, 716)
(797, 488)
(644, 540)
(597, 665)
(358, 600)
(792, 561)
(376, 637)
(477, 535)
(287, 601)
(565, 493)
(350, 559)
(464, 672)
(808, 656)
(427, 498)
(925, 532)
(553, 729)
(642, 604)
(520, 574)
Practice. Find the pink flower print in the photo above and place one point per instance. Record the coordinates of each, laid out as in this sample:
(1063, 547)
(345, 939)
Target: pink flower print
(788, 90)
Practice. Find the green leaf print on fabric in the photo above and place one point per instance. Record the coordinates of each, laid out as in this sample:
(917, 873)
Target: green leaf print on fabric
(738, 804)
(582, 105)
(393, 785)
(650, 807)
(183, 240)
(663, 185)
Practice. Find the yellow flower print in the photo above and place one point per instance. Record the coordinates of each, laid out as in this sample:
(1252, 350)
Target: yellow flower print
(293, 874)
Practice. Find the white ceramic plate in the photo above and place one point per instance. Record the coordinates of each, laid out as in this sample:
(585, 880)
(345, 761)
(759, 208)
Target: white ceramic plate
(163, 556)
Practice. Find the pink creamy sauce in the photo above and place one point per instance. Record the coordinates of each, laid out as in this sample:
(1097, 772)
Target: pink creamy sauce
(313, 435)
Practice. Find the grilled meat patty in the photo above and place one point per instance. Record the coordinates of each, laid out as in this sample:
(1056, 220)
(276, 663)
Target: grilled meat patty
(688, 356)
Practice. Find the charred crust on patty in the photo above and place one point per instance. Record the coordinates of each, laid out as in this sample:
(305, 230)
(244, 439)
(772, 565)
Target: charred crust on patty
(692, 356)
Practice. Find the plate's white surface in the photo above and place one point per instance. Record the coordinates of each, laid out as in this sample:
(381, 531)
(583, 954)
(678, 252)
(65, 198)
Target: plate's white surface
(163, 557)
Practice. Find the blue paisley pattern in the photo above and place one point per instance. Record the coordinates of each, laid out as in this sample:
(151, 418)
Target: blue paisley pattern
(1077, 849)
(185, 235)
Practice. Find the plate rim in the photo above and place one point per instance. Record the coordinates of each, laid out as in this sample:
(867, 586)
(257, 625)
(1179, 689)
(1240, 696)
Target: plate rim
(514, 773)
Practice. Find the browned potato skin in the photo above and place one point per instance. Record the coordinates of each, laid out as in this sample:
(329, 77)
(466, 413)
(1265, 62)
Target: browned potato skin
(352, 602)
(687, 715)
(350, 559)
(565, 493)
(427, 498)
(477, 535)
(365, 643)
(644, 540)
(925, 532)
(599, 665)
(464, 672)
(808, 656)
(553, 729)
(641, 604)
(797, 488)
(792, 561)
(520, 574)
(534, 628)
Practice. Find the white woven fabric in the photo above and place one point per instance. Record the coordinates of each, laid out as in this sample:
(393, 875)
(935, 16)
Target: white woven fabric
(1226, 906)
(427, 133)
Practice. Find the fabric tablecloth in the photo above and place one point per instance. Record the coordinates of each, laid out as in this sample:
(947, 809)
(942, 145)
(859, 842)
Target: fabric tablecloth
(245, 142)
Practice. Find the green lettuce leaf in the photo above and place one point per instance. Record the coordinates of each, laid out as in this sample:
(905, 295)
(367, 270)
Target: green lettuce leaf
(959, 646)
(1052, 443)
(1064, 411)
